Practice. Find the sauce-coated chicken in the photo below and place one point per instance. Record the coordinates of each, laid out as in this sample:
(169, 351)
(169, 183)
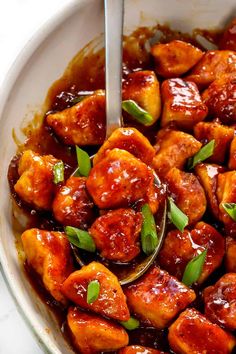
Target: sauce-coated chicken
(138, 349)
(111, 301)
(228, 39)
(182, 104)
(92, 334)
(193, 333)
(72, 204)
(119, 180)
(49, 254)
(175, 58)
(220, 301)
(116, 234)
(230, 256)
(158, 297)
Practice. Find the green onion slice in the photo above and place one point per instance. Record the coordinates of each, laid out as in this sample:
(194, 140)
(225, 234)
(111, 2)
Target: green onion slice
(203, 154)
(176, 216)
(137, 112)
(193, 269)
(230, 209)
(131, 324)
(80, 238)
(78, 99)
(58, 172)
(93, 291)
(149, 238)
(84, 163)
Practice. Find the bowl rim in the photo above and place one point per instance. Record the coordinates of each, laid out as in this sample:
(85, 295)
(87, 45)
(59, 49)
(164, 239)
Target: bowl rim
(7, 85)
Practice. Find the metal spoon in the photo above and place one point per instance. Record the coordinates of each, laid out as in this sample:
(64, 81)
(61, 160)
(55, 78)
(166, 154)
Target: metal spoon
(114, 13)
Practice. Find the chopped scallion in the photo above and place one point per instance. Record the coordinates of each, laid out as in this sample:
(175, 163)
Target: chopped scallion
(58, 172)
(131, 324)
(93, 291)
(149, 238)
(80, 238)
(203, 154)
(176, 216)
(230, 209)
(137, 112)
(194, 268)
(84, 163)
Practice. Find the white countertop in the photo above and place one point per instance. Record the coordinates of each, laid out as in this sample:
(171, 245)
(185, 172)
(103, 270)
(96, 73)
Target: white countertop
(19, 19)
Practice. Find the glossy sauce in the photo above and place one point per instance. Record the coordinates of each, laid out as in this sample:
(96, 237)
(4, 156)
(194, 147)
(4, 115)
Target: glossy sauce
(84, 75)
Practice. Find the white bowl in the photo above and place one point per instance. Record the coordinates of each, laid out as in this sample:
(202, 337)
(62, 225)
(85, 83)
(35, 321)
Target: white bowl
(38, 66)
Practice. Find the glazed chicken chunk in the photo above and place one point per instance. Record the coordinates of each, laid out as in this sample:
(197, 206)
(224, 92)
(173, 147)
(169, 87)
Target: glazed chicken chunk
(72, 204)
(220, 98)
(180, 247)
(223, 135)
(193, 333)
(220, 304)
(157, 297)
(228, 39)
(116, 234)
(173, 148)
(213, 64)
(230, 257)
(207, 175)
(49, 254)
(175, 58)
(119, 180)
(232, 155)
(35, 185)
(82, 124)
(182, 104)
(92, 334)
(111, 301)
(143, 88)
(187, 193)
(129, 139)
(138, 349)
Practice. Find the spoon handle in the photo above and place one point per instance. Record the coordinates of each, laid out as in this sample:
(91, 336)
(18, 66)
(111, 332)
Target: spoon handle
(114, 15)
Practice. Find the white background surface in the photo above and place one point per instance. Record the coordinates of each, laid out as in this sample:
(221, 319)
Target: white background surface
(19, 19)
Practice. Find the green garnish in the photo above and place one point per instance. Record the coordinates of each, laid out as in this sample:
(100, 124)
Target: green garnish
(58, 172)
(80, 238)
(84, 163)
(78, 99)
(176, 216)
(93, 291)
(149, 238)
(203, 154)
(193, 269)
(131, 324)
(137, 112)
(230, 209)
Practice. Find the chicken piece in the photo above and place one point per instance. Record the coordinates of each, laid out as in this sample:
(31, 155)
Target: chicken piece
(232, 155)
(207, 175)
(220, 304)
(111, 301)
(143, 87)
(230, 257)
(220, 98)
(193, 333)
(93, 334)
(116, 234)
(173, 148)
(82, 124)
(213, 64)
(119, 180)
(129, 139)
(207, 131)
(35, 185)
(182, 104)
(72, 204)
(175, 58)
(180, 247)
(158, 297)
(138, 349)
(228, 39)
(49, 254)
(226, 193)
(187, 193)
